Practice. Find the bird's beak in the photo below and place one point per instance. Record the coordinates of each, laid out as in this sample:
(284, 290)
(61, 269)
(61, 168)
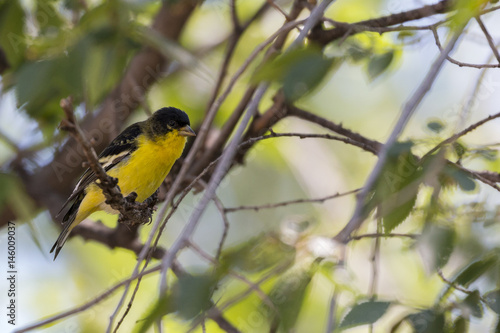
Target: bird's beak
(186, 131)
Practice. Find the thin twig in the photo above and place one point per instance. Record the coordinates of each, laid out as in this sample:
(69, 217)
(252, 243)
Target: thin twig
(457, 287)
(225, 231)
(234, 16)
(315, 136)
(383, 235)
(362, 142)
(87, 305)
(311, 22)
(456, 62)
(273, 4)
(467, 130)
(472, 97)
(331, 323)
(374, 259)
(491, 43)
(291, 202)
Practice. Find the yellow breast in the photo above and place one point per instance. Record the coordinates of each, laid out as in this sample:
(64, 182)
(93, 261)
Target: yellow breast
(142, 172)
(147, 167)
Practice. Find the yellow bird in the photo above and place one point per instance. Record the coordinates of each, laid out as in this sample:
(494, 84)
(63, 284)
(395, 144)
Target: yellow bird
(140, 158)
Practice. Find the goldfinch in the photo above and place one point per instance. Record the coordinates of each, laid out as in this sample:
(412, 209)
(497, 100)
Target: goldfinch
(140, 158)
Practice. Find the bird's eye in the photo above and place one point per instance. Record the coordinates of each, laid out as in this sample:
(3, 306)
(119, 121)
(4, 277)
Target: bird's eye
(171, 123)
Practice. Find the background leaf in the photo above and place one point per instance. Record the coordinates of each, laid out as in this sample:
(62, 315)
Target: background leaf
(475, 270)
(257, 254)
(493, 299)
(364, 313)
(378, 64)
(288, 295)
(300, 71)
(12, 38)
(396, 189)
(436, 245)
(473, 303)
(427, 321)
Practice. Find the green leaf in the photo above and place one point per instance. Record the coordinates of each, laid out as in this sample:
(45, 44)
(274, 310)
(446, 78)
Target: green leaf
(405, 34)
(12, 194)
(475, 270)
(473, 303)
(12, 38)
(396, 189)
(465, 10)
(364, 313)
(191, 294)
(288, 294)
(461, 178)
(435, 125)
(258, 254)
(105, 62)
(394, 218)
(55, 79)
(357, 53)
(300, 71)
(436, 245)
(161, 308)
(488, 154)
(427, 321)
(493, 300)
(47, 16)
(460, 325)
(459, 149)
(379, 64)
(497, 326)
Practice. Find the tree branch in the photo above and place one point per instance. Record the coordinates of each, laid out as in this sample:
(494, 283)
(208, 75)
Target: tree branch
(324, 37)
(362, 142)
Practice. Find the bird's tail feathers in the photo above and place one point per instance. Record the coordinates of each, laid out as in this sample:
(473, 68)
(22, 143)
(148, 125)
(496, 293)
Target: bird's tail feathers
(61, 239)
(69, 219)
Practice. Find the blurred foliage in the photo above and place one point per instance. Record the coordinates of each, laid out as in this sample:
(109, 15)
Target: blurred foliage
(466, 9)
(267, 251)
(395, 192)
(287, 296)
(86, 61)
(364, 313)
(298, 71)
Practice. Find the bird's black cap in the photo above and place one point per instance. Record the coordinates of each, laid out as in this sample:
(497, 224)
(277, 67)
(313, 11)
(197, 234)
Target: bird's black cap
(167, 119)
(164, 115)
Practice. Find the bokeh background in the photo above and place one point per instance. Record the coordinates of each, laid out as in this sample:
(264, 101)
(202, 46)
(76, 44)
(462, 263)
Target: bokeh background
(86, 46)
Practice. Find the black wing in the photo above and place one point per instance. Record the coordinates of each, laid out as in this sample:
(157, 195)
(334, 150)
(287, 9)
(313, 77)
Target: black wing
(121, 147)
